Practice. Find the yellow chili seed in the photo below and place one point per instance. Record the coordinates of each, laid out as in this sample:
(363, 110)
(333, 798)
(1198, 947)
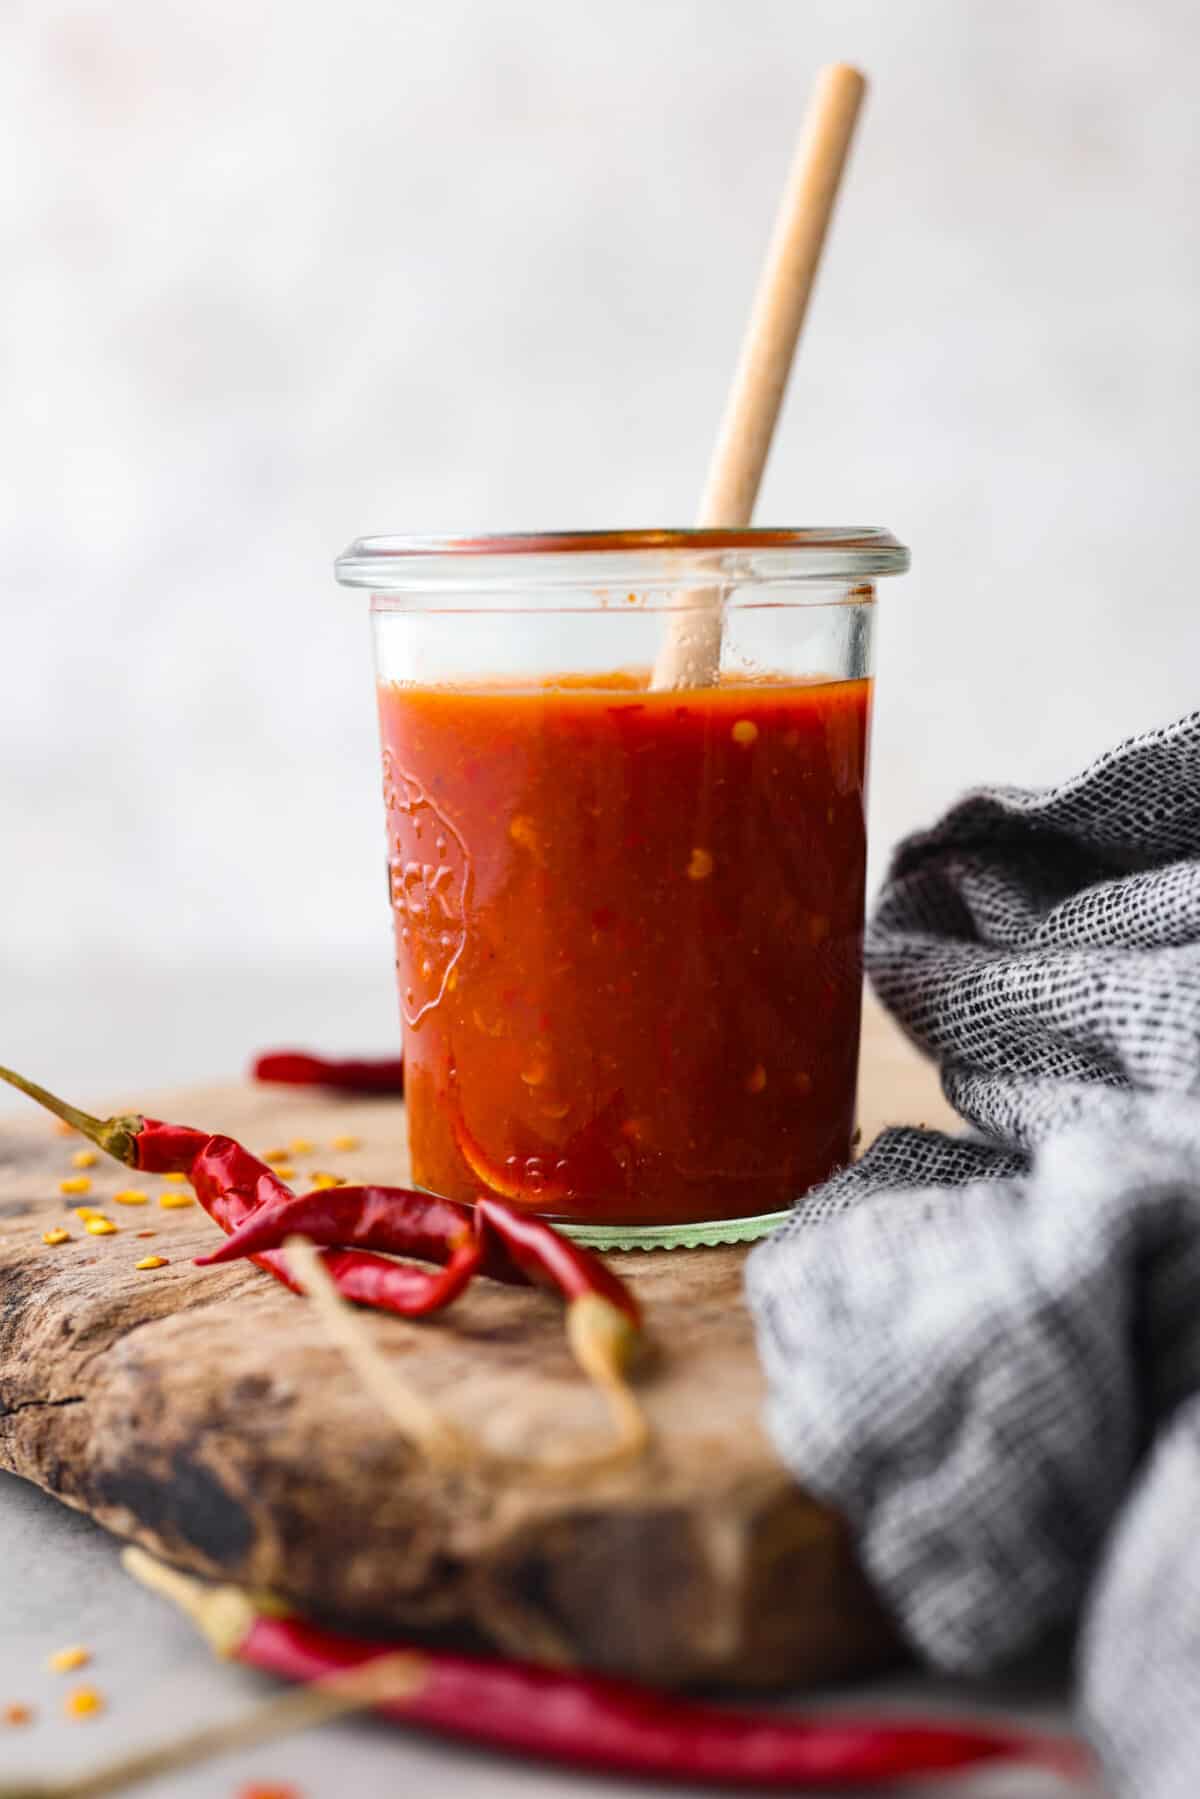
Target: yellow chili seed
(75, 1183)
(700, 866)
(744, 732)
(756, 1080)
(152, 1262)
(174, 1201)
(345, 1143)
(84, 1158)
(83, 1213)
(100, 1227)
(54, 1237)
(65, 1661)
(284, 1171)
(174, 1175)
(300, 1146)
(83, 1702)
(132, 1196)
(276, 1155)
(17, 1714)
(321, 1180)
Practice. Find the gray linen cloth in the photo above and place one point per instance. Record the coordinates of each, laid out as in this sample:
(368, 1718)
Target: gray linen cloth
(985, 1350)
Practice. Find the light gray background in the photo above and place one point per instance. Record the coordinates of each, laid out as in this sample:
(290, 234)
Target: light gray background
(277, 274)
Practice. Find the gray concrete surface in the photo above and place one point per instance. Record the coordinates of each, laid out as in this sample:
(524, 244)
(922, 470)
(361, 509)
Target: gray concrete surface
(61, 1583)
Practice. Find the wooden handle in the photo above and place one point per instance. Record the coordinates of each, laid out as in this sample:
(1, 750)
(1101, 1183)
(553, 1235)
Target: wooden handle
(784, 287)
(691, 655)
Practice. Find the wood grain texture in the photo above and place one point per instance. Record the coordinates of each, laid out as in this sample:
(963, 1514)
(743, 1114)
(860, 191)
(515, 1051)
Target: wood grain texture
(194, 1411)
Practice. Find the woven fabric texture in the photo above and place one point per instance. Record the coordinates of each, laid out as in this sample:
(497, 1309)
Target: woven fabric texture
(985, 1349)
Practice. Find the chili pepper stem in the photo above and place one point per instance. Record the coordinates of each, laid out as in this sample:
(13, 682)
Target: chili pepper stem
(224, 1615)
(439, 1441)
(602, 1341)
(116, 1136)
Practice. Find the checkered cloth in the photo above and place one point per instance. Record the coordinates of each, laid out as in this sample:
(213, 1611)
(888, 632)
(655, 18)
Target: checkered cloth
(985, 1350)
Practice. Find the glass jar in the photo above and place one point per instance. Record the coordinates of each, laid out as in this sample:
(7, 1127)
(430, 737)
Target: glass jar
(628, 919)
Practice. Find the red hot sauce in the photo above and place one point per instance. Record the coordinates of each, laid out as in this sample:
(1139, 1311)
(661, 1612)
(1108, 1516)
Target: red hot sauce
(629, 940)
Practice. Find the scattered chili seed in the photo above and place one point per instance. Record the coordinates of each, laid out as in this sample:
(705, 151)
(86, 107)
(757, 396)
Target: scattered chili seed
(173, 1174)
(84, 1158)
(83, 1213)
(152, 1262)
(283, 1171)
(75, 1183)
(756, 1080)
(54, 1237)
(174, 1201)
(345, 1143)
(65, 1661)
(700, 866)
(17, 1714)
(83, 1702)
(276, 1155)
(744, 732)
(100, 1227)
(300, 1146)
(132, 1196)
(321, 1180)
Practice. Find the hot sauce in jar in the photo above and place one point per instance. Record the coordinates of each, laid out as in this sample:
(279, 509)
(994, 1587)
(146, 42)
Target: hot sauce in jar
(628, 930)
(628, 920)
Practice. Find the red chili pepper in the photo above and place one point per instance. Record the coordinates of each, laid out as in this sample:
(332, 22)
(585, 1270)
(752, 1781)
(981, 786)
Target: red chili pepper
(603, 1318)
(590, 1721)
(297, 1068)
(550, 1259)
(398, 1219)
(231, 1184)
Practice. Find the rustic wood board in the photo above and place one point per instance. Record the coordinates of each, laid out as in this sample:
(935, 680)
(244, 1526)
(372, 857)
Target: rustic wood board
(199, 1412)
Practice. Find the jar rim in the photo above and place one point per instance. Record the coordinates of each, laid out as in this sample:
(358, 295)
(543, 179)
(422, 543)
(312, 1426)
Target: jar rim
(378, 561)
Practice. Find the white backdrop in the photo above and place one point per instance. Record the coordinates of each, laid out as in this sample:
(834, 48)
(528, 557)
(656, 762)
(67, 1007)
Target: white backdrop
(277, 274)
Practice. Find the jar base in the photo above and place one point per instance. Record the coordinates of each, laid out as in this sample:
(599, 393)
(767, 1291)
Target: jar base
(712, 1234)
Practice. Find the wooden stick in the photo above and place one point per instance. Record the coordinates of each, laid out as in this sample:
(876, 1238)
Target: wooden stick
(438, 1440)
(691, 655)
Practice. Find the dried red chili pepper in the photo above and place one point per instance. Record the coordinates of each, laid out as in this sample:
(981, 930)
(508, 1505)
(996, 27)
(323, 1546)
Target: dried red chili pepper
(400, 1220)
(230, 1184)
(352, 1074)
(603, 1317)
(595, 1722)
(143, 1143)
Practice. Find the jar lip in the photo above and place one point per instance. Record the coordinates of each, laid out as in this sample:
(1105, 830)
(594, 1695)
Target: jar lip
(857, 549)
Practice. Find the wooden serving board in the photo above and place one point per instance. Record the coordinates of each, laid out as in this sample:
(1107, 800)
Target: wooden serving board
(201, 1413)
